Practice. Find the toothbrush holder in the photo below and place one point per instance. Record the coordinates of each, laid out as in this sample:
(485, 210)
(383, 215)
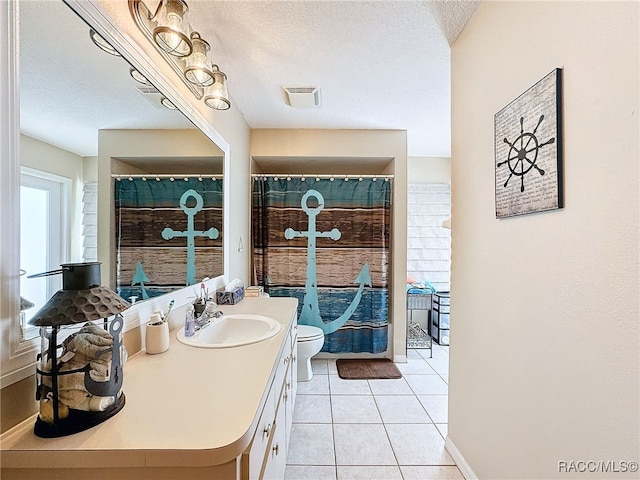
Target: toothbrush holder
(157, 336)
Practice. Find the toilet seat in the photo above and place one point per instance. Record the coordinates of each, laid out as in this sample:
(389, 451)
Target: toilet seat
(308, 333)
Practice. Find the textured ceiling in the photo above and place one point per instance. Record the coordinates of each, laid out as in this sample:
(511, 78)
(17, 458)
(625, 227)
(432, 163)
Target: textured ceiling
(378, 64)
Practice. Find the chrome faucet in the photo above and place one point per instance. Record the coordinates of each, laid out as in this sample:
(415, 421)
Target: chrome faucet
(210, 312)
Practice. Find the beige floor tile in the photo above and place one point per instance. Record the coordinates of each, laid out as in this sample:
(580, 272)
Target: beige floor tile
(365, 444)
(443, 428)
(312, 409)
(413, 353)
(331, 365)
(339, 386)
(390, 387)
(431, 473)
(437, 406)
(427, 384)
(419, 444)
(319, 366)
(401, 409)
(368, 472)
(309, 472)
(354, 409)
(439, 364)
(318, 385)
(311, 444)
(415, 366)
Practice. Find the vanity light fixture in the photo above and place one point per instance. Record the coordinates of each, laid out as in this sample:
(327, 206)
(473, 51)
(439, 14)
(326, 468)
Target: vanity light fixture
(138, 77)
(216, 96)
(183, 48)
(167, 103)
(102, 44)
(171, 33)
(198, 70)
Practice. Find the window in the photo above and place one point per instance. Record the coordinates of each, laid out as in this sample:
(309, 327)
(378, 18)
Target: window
(43, 240)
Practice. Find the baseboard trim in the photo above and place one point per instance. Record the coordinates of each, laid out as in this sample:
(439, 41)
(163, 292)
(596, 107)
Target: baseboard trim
(400, 359)
(462, 464)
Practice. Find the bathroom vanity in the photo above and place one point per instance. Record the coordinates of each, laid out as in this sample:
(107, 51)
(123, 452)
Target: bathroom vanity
(196, 413)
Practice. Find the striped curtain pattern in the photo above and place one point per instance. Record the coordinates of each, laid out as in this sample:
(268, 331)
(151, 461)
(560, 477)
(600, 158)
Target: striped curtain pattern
(153, 230)
(326, 242)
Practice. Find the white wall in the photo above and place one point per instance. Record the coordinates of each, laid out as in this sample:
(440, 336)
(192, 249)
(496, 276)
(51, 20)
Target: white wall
(544, 356)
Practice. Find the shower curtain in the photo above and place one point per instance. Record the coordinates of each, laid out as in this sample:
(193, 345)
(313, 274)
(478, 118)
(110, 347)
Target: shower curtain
(168, 233)
(326, 242)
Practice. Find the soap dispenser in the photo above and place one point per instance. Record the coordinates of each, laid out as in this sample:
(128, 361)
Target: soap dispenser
(190, 321)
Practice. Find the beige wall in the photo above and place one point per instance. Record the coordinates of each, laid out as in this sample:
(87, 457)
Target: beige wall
(356, 144)
(429, 170)
(50, 159)
(544, 359)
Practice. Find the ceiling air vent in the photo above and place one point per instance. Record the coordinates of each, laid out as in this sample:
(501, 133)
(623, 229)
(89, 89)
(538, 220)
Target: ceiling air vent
(302, 97)
(151, 94)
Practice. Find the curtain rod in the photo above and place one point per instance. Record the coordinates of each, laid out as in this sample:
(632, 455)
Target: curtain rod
(304, 175)
(183, 176)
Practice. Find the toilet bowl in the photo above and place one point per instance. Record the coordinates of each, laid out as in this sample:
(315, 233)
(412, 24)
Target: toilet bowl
(310, 342)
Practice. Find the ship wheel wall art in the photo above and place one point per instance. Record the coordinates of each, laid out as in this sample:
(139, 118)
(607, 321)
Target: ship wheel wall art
(528, 149)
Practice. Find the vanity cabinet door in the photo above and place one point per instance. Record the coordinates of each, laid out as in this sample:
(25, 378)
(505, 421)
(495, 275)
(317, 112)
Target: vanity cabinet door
(291, 386)
(254, 458)
(276, 460)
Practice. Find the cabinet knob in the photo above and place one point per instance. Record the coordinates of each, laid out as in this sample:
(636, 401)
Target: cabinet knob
(276, 449)
(286, 360)
(267, 430)
(293, 358)
(285, 396)
(288, 385)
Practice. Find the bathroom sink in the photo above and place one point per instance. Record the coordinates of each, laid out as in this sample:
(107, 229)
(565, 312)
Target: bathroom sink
(232, 331)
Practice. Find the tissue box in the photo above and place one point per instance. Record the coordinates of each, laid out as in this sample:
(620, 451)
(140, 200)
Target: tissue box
(229, 298)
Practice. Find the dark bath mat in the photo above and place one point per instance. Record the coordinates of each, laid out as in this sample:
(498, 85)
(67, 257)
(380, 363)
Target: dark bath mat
(367, 368)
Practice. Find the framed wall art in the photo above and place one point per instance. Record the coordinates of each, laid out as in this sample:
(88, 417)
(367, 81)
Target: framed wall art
(528, 150)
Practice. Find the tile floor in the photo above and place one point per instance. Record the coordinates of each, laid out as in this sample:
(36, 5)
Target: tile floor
(373, 429)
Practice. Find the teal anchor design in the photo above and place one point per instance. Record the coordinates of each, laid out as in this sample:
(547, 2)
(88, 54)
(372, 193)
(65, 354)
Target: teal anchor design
(190, 233)
(310, 314)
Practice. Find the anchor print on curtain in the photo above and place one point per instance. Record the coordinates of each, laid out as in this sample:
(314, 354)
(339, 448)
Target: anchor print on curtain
(327, 244)
(168, 234)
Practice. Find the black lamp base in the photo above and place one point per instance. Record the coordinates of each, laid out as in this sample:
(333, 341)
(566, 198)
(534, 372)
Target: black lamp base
(77, 421)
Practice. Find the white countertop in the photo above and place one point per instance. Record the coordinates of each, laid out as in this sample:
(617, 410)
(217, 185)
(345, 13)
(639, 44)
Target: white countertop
(185, 407)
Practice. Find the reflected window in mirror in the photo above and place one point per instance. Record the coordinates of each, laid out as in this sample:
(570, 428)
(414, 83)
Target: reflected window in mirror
(44, 226)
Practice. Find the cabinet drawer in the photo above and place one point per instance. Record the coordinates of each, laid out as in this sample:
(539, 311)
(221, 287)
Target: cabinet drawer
(442, 308)
(441, 320)
(442, 298)
(440, 336)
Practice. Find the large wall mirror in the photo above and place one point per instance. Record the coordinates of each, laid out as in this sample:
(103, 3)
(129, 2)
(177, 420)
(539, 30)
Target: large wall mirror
(79, 108)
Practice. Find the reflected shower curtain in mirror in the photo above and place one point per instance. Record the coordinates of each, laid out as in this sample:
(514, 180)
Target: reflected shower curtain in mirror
(168, 233)
(326, 242)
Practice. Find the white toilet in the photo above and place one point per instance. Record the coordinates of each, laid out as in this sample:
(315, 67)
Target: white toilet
(310, 342)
